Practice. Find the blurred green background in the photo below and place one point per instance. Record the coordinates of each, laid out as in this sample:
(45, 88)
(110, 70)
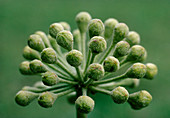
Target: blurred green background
(20, 18)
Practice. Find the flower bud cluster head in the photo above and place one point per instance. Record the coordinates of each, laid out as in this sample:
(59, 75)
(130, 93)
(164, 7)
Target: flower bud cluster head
(54, 29)
(133, 38)
(121, 49)
(50, 78)
(111, 64)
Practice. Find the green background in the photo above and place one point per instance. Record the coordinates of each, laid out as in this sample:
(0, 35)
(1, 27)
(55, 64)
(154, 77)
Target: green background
(20, 18)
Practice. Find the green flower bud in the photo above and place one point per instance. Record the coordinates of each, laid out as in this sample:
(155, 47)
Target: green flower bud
(119, 95)
(137, 53)
(95, 71)
(97, 44)
(139, 99)
(49, 55)
(120, 31)
(24, 68)
(47, 99)
(84, 104)
(65, 39)
(137, 70)
(37, 66)
(133, 38)
(151, 71)
(109, 27)
(35, 42)
(96, 27)
(111, 64)
(50, 78)
(54, 29)
(74, 58)
(72, 97)
(66, 26)
(24, 98)
(82, 20)
(30, 54)
(121, 49)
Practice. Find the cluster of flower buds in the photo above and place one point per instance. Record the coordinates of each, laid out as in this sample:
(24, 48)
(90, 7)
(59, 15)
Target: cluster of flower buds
(78, 65)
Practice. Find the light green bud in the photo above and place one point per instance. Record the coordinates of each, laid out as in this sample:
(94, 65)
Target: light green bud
(74, 58)
(24, 98)
(95, 71)
(151, 71)
(139, 99)
(133, 38)
(30, 54)
(49, 55)
(83, 19)
(54, 29)
(137, 70)
(35, 42)
(65, 39)
(109, 27)
(97, 44)
(111, 64)
(72, 97)
(50, 78)
(24, 68)
(96, 27)
(65, 25)
(119, 95)
(84, 104)
(47, 99)
(37, 66)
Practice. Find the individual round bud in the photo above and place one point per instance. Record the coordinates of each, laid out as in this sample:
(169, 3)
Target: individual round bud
(120, 31)
(151, 71)
(54, 29)
(137, 53)
(139, 99)
(137, 70)
(35, 42)
(121, 49)
(30, 54)
(65, 25)
(97, 44)
(96, 27)
(109, 27)
(37, 66)
(50, 78)
(65, 39)
(133, 38)
(47, 99)
(111, 64)
(95, 71)
(82, 20)
(24, 68)
(72, 97)
(48, 55)
(74, 58)
(119, 95)
(24, 98)
(84, 104)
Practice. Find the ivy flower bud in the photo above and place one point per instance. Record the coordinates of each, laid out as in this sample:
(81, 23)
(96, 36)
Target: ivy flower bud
(120, 31)
(139, 99)
(24, 98)
(151, 71)
(47, 99)
(66, 26)
(133, 38)
(121, 49)
(48, 55)
(83, 19)
(97, 44)
(65, 39)
(74, 58)
(30, 54)
(54, 29)
(37, 66)
(84, 104)
(111, 64)
(50, 78)
(24, 68)
(137, 70)
(96, 27)
(35, 42)
(119, 95)
(95, 71)
(72, 97)
(109, 27)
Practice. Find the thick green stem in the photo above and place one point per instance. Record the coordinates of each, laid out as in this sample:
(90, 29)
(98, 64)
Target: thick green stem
(67, 81)
(88, 82)
(83, 47)
(88, 61)
(81, 115)
(79, 74)
(92, 58)
(100, 90)
(66, 92)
